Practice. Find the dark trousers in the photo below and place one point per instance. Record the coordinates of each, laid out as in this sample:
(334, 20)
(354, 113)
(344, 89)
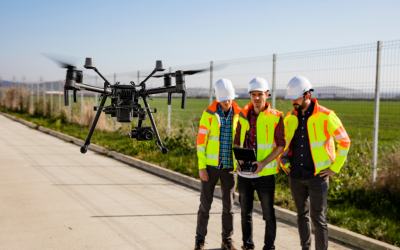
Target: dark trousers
(228, 184)
(265, 187)
(310, 197)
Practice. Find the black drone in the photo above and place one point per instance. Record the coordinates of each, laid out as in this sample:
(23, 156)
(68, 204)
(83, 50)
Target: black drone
(125, 99)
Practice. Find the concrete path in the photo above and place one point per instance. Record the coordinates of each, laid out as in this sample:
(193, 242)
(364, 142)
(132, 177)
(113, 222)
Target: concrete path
(53, 197)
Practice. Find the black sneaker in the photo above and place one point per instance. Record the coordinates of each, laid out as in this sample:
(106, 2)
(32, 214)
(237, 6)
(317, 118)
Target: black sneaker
(199, 245)
(227, 245)
(247, 248)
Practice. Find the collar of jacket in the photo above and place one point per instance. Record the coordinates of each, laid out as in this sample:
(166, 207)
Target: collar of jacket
(248, 107)
(212, 109)
(317, 108)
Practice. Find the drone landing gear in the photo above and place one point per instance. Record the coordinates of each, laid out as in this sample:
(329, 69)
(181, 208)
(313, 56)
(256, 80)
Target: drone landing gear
(96, 118)
(164, 150)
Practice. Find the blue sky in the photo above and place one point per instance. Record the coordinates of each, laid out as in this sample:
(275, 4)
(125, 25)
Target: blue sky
(125, 36)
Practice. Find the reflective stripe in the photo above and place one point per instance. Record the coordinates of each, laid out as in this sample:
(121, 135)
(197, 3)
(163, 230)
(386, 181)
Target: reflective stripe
(210, 112)
(265, 145)
(284, 157)
(320, 143)
(343, 152)
(200, 148)
(203, 131)
(242, 115)
(323, 163)
(287, 143)
(213, 138)
(341, 136)
(271, 165)
(212, 157)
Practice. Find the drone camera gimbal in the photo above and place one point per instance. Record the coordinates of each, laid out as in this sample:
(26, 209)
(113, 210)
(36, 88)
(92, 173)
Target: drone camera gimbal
(125, 99)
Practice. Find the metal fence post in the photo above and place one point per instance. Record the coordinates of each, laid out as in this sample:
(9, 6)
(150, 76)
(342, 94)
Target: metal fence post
(211, 82)
(81, 107)
(19, 94)
(15, 94)
(51, 99)
(115, 77)
(59, 97)
(31, 98)
(273, 81)
(23, 87)
(1, 91)
(22, 93)
(44, 98)
(169, 115)
(38, 95)
(376, 113)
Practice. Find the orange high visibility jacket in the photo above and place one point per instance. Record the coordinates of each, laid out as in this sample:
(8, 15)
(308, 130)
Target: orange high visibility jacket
(323, 127)
(208, 136)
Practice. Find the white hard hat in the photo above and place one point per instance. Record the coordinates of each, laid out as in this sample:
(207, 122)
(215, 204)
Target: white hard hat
(224, 90)
(258, 84)
(297, 87)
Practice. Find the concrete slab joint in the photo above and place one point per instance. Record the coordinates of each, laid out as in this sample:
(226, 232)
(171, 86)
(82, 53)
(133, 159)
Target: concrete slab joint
(335, 232)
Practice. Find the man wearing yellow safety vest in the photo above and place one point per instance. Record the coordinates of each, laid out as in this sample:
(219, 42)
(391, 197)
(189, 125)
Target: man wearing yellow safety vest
(310, 153)
(216, 161)
(260, 127)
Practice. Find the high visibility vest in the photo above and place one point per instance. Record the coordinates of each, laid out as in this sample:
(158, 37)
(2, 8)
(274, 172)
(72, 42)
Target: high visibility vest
(323, 126)
(208, 136)
(265, 127)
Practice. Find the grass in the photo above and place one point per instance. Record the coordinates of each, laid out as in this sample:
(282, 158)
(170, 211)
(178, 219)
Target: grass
(352, 204)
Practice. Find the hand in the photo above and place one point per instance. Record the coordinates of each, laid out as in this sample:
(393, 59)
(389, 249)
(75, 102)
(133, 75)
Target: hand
(286, 170)
(327, 173)
(203, 174)
(260, 166)
(238, 167)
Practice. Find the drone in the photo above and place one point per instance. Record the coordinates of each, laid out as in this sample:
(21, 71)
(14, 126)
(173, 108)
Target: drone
(125, 99)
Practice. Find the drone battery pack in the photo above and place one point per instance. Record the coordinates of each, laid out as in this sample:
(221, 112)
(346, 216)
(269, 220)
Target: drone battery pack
(124, 115)
(245, 154)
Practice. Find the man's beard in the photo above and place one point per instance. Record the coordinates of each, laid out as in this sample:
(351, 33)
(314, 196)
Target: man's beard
(299, 107)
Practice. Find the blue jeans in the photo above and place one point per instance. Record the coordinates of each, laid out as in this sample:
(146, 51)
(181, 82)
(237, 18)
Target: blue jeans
(265, 187)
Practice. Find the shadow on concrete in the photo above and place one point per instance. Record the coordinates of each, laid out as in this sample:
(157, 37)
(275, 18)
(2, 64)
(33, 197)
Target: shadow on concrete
(113, 184)
(145, 215)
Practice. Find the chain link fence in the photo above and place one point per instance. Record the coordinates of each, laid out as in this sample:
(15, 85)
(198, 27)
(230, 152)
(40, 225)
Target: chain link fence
(344, 80)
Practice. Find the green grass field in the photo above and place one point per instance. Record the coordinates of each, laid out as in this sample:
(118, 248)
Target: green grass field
(356, 116)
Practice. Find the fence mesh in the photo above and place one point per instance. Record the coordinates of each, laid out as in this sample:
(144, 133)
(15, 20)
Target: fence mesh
(343, 80)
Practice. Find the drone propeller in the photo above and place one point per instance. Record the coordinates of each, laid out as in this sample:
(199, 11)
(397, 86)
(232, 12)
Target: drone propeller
(187, 72)
(63, 61)
(192, 72)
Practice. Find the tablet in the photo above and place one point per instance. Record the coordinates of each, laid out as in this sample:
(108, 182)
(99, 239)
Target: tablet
(245, 154)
